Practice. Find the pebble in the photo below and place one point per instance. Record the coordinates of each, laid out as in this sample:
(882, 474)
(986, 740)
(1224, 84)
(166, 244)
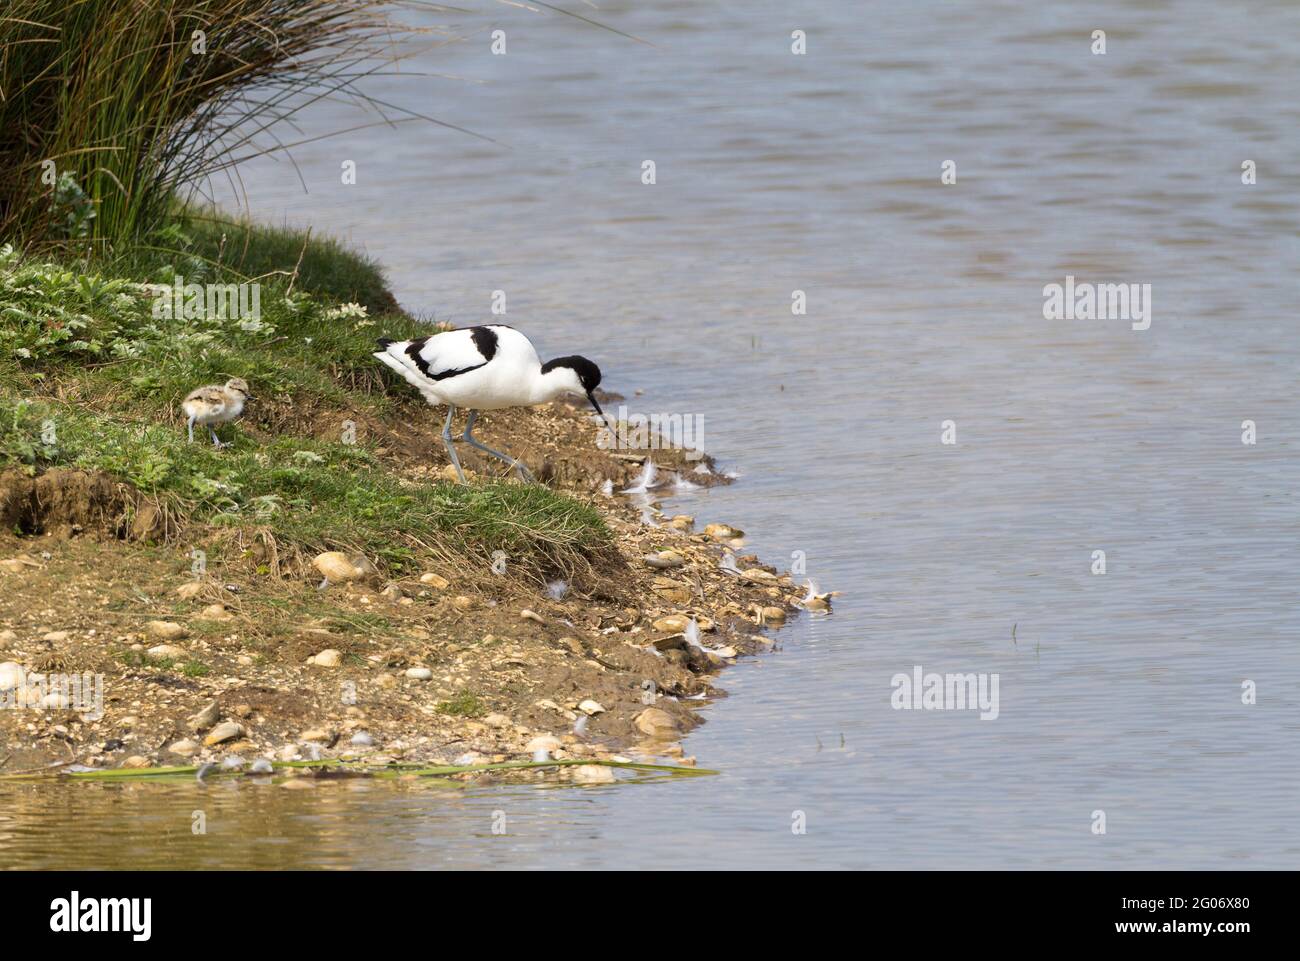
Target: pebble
(419, 673)
(723, 532)
(12, 676)
(189, 590)
(362, 739)
(386, 681)
(184, 748)
(672, 624)
(528, 615)
(135, 760)
(226, 731)
(321, 734)
(56, 637)
(817, 602)
(592, 774)
(6, 636)
(217, 612)
(664, 560)
(166, 651)
(544, 742)
(773, 614)
(497, 721)
(671, 591)
(655, 722)
(167, 630)
(327, 658)
(204, 719)
(336, 567)
(590, 707)
(435, 581)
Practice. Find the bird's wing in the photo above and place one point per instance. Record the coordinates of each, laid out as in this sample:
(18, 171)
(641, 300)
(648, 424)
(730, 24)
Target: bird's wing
(518, 347)
(212, 397)
(426, 361)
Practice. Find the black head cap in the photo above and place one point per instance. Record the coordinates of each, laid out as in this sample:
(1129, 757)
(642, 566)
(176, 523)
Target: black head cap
(588, 373)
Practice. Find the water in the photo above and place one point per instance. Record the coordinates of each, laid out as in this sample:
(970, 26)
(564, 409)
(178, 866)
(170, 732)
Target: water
(1120, 693)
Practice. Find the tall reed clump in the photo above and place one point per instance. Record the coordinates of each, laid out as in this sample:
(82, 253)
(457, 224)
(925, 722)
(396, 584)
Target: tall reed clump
(111, 109)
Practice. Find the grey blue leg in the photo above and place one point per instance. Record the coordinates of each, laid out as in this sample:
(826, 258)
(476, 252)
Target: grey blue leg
(470, 439)
(216, 441)
(191, 427)
(449, 441)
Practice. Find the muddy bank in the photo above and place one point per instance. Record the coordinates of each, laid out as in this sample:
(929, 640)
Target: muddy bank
(68, 503)
(455, 664)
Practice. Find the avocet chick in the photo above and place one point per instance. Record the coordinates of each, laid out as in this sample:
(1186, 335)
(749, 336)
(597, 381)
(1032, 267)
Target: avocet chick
(215, 404)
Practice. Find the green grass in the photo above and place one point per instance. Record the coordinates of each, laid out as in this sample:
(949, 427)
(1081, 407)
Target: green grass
(321, 265)
(463, 704)
(111, 108)
(340, 497)
(138, 659)
(90, 378)
(65, 319)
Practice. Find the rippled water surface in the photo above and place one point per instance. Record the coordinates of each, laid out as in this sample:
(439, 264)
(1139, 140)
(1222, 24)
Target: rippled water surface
(1119, 693)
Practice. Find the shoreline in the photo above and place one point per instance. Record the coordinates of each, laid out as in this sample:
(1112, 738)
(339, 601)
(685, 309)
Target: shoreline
(445, 666)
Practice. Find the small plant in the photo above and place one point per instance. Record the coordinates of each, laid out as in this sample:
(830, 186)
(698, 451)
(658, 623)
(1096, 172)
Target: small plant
(463, 704)
(73, 210)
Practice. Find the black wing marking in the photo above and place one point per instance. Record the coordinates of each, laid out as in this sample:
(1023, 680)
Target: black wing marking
(413, 351)
(485, 341)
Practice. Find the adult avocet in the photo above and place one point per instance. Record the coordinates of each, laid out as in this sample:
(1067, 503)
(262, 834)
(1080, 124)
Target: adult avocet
(486, 368)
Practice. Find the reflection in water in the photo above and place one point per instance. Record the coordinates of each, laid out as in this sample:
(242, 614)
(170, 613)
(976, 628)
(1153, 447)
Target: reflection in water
(261, 825)
(821, 173)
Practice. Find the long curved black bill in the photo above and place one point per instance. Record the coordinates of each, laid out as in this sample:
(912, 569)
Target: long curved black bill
(592, 397)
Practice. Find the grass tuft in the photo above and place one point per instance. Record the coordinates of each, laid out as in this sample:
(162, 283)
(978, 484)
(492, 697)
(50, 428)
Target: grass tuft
(464, 704)
(111, 108)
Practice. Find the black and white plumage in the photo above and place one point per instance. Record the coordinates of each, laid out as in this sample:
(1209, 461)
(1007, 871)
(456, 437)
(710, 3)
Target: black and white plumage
(486, 368)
